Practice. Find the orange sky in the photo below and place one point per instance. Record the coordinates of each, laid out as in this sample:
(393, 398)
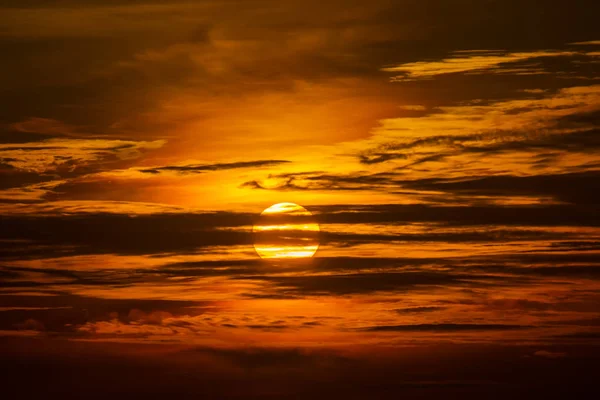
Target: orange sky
(448, 152)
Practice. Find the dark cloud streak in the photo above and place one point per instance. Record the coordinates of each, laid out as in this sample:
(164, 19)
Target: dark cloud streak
(200, 168)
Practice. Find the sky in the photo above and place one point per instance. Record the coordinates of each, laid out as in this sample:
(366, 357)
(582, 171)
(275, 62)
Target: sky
(446, 155)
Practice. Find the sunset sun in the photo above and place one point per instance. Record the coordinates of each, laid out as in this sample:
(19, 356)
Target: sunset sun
(286, 230)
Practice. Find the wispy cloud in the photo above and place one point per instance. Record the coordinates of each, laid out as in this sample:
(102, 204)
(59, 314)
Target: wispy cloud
(444, 328)
(477, 62)
(53, 156)
(200, 168)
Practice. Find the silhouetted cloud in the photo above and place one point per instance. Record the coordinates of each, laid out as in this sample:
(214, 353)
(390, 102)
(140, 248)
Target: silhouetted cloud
(64, 313)
(474, 215)
(200, 168)
(584, 336)
(121, 233)
(444, 328)
(577, 188)
(360, 283)
(41, 236)
(417, 310)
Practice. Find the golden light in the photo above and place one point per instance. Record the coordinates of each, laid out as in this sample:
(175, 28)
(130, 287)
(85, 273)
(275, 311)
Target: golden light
(286, 230)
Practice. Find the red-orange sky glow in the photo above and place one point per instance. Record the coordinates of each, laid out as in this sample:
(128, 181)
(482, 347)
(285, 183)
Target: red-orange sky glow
(267, 199)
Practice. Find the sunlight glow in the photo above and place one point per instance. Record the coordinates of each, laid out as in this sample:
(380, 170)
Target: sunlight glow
(285, 239)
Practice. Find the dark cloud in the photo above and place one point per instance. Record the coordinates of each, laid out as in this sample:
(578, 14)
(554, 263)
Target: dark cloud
(586, 336)
(60, 235)
(592, 323)
(401, 272)
(576, 188)
(158, 233)
(554, 258)
(580, 187)
(473, 215)
(320, 181)
(61, 165)
(200, 168)
(413, 31)
(118, 233)
(580, 120)
(66, 278)
(581, 271)
(585, 139)
(364, 283)
(417, 310)
(340, 264)
(473, 236)
(268, 327)
(65, 313)
(444, 328)
(587, 304)
(14, 178)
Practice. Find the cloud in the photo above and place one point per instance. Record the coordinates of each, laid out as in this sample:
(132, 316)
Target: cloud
(529, 141)
(588, 43)
(474, 215)
(201, 168)
(475, 62)
(592, 337)
(48, 127)
(549, 354)
(122, 234)
(576, 188)
(441, 328)
(465, 236)
(156, 85)
(146, 229)
(453, 140)
(320, 181)
(65, 313)
(69, 208)
(417, 310)
(415, 107)
(66, 155)
(158, 230)
(268, 327)
(583, 140)
(582, 186)
(362, 283)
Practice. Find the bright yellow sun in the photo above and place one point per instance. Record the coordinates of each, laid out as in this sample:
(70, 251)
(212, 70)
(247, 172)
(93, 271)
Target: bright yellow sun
(286, 230)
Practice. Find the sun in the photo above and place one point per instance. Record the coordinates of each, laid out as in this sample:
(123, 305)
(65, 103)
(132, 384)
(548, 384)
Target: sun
(286, 230)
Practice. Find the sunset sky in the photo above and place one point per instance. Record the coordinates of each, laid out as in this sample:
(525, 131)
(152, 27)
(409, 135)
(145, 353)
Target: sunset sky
(446, 152)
